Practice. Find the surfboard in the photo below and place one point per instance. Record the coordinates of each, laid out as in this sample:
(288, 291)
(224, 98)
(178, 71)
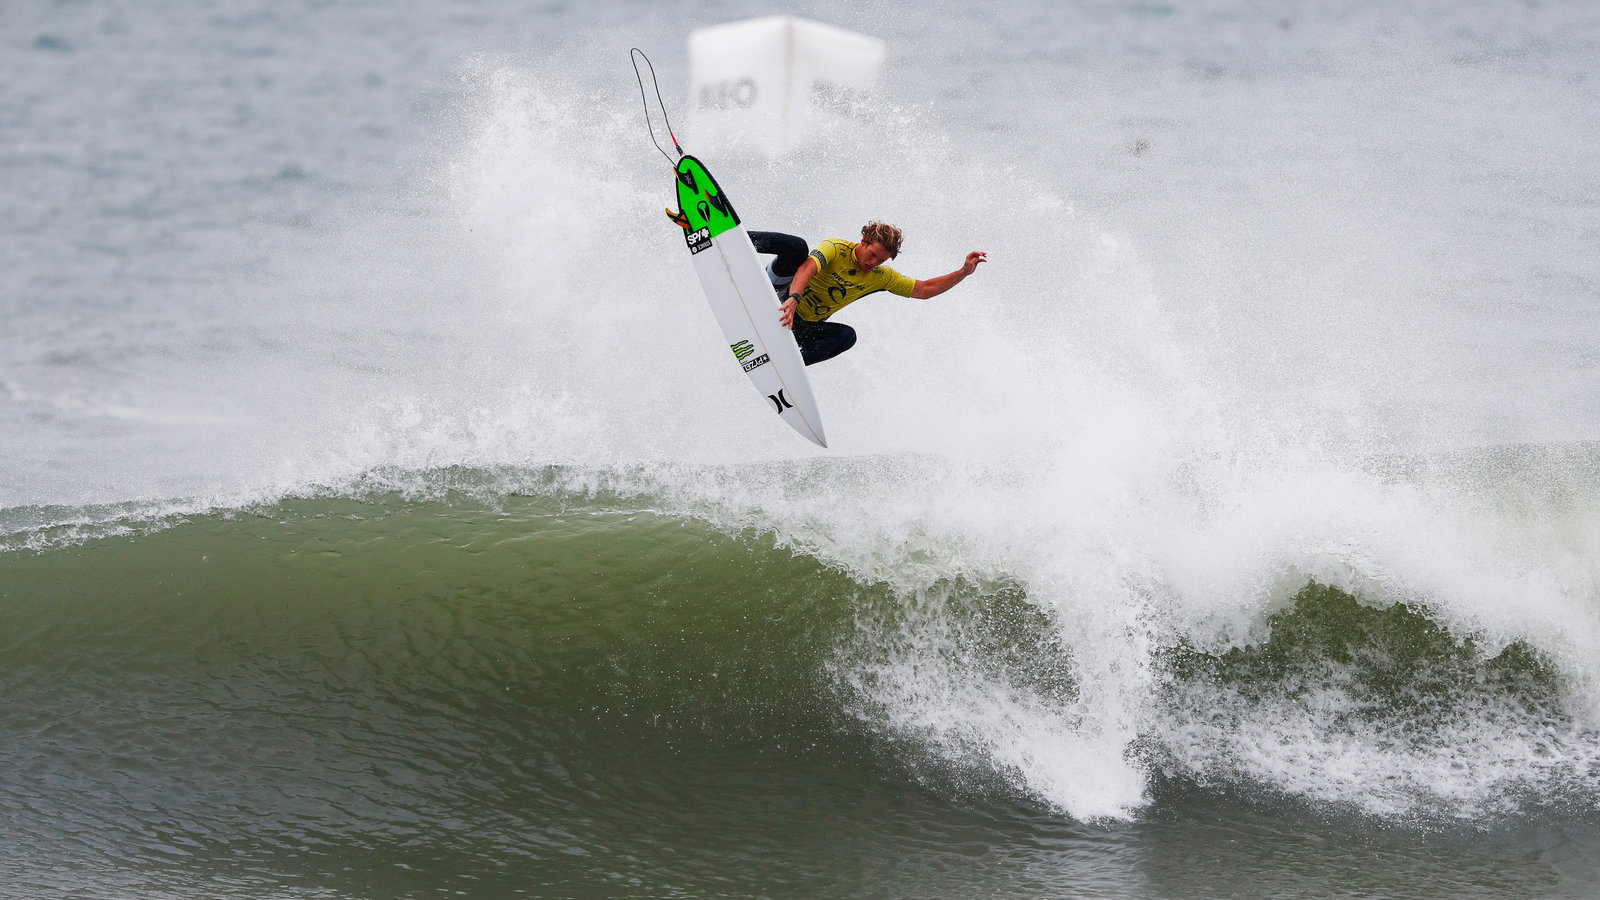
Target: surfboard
(742, 298)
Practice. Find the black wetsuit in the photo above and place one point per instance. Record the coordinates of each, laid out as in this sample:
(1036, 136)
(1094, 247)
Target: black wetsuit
(818, 340)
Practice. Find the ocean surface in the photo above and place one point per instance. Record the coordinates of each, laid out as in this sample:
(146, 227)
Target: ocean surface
(380, 516)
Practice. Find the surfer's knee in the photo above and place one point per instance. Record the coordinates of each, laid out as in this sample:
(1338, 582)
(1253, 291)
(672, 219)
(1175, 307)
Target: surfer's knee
(847, 337)
(789, 252)
(791, 248)
(824, 340)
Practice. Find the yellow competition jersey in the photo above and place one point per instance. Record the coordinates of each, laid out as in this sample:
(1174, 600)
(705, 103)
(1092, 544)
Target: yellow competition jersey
(840, 282)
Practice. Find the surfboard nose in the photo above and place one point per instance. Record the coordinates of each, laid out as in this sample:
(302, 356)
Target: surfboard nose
(814, 435)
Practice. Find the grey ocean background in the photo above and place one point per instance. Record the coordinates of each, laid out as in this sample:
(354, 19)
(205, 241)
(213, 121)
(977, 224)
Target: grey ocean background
(380, 516)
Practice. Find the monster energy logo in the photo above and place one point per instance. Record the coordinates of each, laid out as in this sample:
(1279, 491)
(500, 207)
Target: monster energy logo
(742, 350)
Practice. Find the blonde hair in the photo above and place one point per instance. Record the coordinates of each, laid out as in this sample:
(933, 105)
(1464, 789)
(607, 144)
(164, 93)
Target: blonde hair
(887, 235)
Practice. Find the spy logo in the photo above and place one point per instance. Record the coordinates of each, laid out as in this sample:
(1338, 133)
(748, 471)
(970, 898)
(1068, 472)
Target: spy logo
(742, 350)
(780, 402)
(697, 240)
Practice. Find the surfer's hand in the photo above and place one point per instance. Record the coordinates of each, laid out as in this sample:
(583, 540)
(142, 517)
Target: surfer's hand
(786, 312)
(973, 258)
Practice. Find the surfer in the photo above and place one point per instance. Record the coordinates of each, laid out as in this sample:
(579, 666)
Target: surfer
(836, 274)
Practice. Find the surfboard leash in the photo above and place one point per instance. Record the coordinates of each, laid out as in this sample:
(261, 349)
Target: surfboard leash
(636, 54)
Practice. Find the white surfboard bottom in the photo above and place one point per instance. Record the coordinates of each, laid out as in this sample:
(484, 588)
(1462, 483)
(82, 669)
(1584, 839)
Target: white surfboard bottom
(746, 308)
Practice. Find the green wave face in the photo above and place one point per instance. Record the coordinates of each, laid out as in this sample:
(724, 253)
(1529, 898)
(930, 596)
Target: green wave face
(702, 203)
(383, 697)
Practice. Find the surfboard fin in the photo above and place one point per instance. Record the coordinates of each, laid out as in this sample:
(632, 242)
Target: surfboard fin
(682, 220)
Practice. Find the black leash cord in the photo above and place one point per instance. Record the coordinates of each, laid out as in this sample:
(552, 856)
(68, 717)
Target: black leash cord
(643, 98)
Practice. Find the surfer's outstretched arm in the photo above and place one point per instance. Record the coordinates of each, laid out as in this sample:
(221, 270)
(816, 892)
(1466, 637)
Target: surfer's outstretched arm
(933, 287)
(802, 277)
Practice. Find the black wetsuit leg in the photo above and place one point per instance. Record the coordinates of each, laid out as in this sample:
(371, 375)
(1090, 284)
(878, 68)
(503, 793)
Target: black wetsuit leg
(789, 250)
(822, 340)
